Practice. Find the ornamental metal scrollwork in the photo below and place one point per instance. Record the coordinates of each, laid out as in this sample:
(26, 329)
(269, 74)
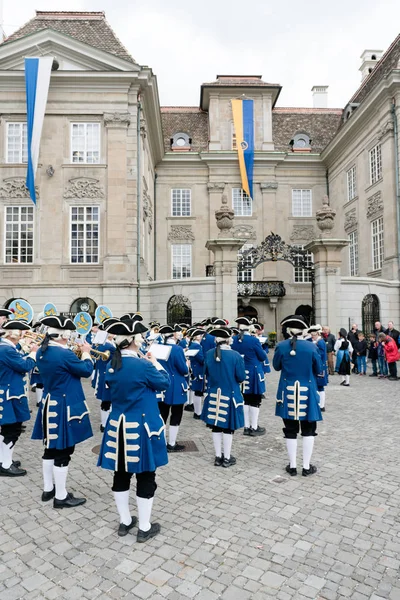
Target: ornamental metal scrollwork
(84, 187)
(264, 289)
(14, 187)
(274, 249)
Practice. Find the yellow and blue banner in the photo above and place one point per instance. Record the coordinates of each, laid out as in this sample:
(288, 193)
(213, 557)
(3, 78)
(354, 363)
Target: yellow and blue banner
(243, 121)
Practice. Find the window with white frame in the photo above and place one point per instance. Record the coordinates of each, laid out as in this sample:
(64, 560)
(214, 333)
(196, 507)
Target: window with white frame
(378, 248)
(85, 143)
(233, 137)
(375, 164)
(18, 234)
(301, 203)
(353, 253)
(181, 261)
(17, 143)
(247, 273)
(351, 183)
(303, 274)
(85, 223)
(181, 203)
(242, 203)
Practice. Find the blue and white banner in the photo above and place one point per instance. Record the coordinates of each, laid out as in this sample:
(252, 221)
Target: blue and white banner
(37, 82)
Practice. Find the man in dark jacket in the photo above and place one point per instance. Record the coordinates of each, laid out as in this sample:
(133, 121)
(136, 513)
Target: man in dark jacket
(353, 339)
(394, 334)
(379, 329)
(330, 344)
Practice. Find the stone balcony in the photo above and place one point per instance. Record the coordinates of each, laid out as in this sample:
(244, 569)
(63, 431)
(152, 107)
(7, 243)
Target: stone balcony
(261, 289)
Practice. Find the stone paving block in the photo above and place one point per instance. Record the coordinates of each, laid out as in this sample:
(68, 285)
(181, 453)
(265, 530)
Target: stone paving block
(158, 577)
(273, 580)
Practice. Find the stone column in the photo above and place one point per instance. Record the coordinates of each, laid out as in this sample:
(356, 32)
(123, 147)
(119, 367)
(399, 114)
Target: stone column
(267, 143)
(213, 116)
(225, 249)
(116, 267)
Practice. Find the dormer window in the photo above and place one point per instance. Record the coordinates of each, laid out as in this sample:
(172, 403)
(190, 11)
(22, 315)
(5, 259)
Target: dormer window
(301, 142)
(181, 142)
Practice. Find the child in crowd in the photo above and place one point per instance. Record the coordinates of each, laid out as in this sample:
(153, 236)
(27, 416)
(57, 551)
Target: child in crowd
(360, 349)
(391, 354)
(383, 368)
(373, 354)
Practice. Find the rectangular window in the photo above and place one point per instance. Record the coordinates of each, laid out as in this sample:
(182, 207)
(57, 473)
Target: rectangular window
(19, 234)
(17, 143)
(233, 137)
(181, 261)
(85, 222)
(353, 253)
(377, 244)
(247, 274)
(181, 203)
(375, 164)
(85, 143)
(301, 203)
(303, 274)
(351, 183)
(242, 203)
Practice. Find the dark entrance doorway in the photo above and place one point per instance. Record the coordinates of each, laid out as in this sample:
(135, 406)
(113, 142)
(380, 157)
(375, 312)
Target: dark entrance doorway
(370, 313)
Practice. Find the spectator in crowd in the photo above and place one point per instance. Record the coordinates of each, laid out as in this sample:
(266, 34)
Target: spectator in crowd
(379, 329)
(383, 368)
(344, 350)
(373, 354)
(353, 338)
(394, 334)
(360, 349)
(391, 354)
(330, 341)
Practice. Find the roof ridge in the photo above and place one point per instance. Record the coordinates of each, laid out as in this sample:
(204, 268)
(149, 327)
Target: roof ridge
(65, 14)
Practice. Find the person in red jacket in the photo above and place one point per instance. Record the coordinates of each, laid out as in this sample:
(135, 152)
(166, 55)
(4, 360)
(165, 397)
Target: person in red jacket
(391, 354)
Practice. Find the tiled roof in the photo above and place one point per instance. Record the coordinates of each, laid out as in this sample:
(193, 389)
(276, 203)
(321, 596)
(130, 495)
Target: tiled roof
(384, 66)
(185, 119)
(320, 124)
(240, 80)
(88, 27)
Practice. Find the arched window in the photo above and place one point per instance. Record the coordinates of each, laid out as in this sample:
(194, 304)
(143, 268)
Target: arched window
(301, 141)
(181, 141)
(83, 305)
(370, 313)
(179, 310)
(247, 311)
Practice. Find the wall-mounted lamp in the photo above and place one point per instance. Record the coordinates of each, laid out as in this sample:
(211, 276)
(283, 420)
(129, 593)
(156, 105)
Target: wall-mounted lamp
(50, 171)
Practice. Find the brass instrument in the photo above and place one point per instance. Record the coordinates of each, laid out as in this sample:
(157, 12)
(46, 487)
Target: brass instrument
(34, 337)
(97, 354)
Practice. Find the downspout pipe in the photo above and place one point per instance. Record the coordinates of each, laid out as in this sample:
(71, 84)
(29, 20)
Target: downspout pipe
(396, 170)
(327, 181)
(155, 226)
(138, 203)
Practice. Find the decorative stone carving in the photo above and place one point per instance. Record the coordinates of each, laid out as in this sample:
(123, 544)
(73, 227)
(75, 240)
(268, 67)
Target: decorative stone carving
(350, 220)
(215, 187)
(302, 233)
(147, 206)
(387, 128)
(244, 232)
(143, 128)
(14, 187)
(83, 187)
(117, 119)
(224, 217)
(374, 205)
(181, 233)
(269, 185)
(331, 270)
(325, 216)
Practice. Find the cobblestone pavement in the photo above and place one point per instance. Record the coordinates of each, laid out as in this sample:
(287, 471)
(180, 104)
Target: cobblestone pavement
(245, 532)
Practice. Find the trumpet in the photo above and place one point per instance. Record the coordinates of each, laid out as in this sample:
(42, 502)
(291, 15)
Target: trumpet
(34, 337)
(76, 349)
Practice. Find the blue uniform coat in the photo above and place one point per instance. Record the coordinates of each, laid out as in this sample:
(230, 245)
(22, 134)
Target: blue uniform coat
(322, 378)
(266, 365)
(254, 357)
(297, 397)
(135, 429)
(178, 372)
(207, 343)
(197, 366)
(63, 416)
(100, 389)
(14, 385)
(223, 401)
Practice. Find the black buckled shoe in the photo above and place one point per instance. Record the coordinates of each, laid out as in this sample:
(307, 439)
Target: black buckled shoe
(229, 462)
(143, 536)
(246, 431)
(291, 470)
(310, 471)
(189, 408)
(16, 463)
(12, 471)
(195, 416)
(46, 496)
(175, 448)
(257, 432)
(125, 529)
(102, 428)
(218, 461)
(69, 502)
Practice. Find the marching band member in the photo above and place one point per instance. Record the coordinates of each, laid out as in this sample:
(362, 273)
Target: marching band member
(258, 332)
(153, 334)
(63, 417)
(4, 315)
(14, 408)
(254, 385)
(134, 439)
(100, 391)
(322, 380)
(223, 402)
(197, 370)
(208, 341)
(175, 396)
(297, 400)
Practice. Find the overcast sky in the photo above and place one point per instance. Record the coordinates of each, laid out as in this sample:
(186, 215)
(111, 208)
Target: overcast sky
(293, 43)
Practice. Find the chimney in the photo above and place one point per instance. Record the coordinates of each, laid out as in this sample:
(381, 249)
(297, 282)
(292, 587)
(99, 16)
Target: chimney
(320, 96)
(369, 58)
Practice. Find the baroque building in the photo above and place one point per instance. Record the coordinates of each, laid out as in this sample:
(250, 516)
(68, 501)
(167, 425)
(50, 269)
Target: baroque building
(127, 190)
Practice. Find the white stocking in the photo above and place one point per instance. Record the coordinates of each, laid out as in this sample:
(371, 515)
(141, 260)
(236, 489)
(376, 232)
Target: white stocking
(47, 467)
(7, 455)
(104, 416)
(227, 441)
(347, 378)
(291, 446)
(246, 410)
(217, 439)
(197, 404)
(254, 412)
(144, 512)
(173, 434)
(308, 445)
(39, 395)
(322, 399)
(60, 479)
(190, 397)
(1, 448)
(122, 502)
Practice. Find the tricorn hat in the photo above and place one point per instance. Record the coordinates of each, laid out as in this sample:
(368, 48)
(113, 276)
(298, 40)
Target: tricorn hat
(315, 329)
(216, 322)
(294, 322)
(58, 322)
(154, 324)
(4, 312)
(107, 323)
(16, 325)
(243, 322)
(127, 327)
(166, 330)
(221, 332)
(131, 317)
(195, 331)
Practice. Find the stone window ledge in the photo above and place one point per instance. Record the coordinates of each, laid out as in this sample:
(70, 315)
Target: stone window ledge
(350, 202)
(373, 185)
(377, 273)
